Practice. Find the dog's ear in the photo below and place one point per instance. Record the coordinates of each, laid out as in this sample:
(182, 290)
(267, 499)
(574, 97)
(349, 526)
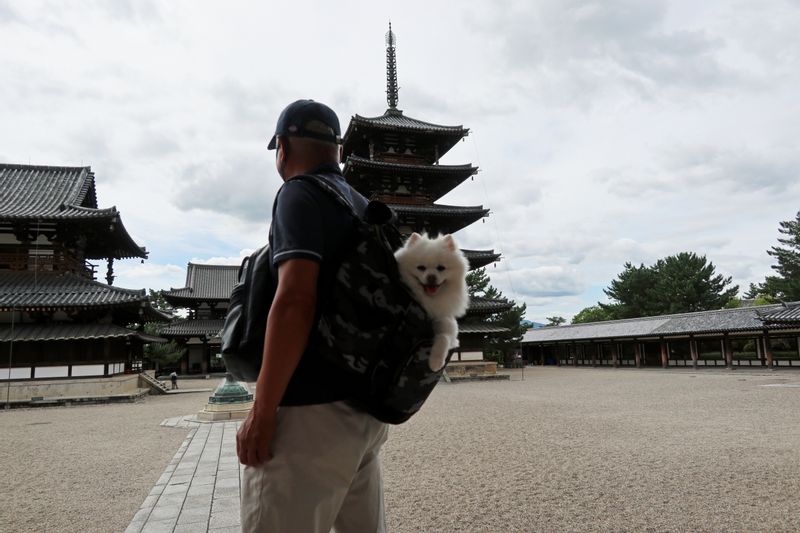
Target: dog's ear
(414, 238)
(449, 243)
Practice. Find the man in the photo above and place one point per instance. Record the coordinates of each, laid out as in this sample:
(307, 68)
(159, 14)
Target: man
(174, 379)
(311, 459)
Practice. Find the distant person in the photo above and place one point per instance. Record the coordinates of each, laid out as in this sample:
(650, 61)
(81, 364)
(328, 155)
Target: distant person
(311, 458)
(174, 378)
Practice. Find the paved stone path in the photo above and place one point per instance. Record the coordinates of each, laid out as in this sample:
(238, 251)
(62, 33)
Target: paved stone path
(199, 490)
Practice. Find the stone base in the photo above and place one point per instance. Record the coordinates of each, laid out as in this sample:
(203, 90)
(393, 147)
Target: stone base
(221, 411)
(471, 368)
(474, 371)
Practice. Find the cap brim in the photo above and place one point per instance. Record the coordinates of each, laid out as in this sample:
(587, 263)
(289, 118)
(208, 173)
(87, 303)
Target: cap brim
(272, 143)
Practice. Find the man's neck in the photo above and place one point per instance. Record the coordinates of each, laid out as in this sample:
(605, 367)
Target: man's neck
(305, 168)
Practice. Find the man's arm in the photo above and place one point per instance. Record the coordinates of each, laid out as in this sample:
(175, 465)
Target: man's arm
(289, 324)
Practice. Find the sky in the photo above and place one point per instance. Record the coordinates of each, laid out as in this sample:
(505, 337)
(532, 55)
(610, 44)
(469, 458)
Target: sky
(606, 131)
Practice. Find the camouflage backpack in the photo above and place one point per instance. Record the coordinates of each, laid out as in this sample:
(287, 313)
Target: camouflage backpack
(370, 325)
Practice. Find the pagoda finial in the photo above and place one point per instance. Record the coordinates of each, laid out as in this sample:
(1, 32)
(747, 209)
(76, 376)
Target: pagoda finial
(391, 69)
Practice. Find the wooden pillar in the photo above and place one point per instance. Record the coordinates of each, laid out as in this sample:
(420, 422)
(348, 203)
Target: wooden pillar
(204, 362)
(693, 351)
(768, 350)
(664, 354)
(615, 355)
(727, 352)
(637, 354)
(575, 359)
(541, 354)
(596, 354)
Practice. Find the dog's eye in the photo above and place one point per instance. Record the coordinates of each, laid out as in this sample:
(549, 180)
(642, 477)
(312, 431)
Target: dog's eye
(440, 268)
(421, 268)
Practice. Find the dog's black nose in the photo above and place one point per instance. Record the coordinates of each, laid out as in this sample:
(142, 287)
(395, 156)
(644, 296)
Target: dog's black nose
(431, 279)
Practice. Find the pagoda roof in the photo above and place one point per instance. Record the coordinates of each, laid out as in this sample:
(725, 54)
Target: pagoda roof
(438, 210)
(479, 258)
(394, 121)
(478, 305)
(31, 193)
(193, 328)
(478, 329)
(50, 291)
(440, 179)
(356, 162)
(70, 331)
(205, 283)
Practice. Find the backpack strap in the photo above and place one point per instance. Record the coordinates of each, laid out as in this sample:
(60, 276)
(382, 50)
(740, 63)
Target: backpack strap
(331, 190)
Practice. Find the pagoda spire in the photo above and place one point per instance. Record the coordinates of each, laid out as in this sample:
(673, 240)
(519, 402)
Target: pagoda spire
(391, 69)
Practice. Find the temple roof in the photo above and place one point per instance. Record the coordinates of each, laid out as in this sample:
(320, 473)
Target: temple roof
(31, 193)
(437, 218)
(361, 173)
(49, 291)
(70, 331)
(193, 328)
(478, 329)
(205, 283)
(438, 210)
(786, 314)
(479, 258)
(355, 161)
(743, 319)
(394, 121)
(479, 305)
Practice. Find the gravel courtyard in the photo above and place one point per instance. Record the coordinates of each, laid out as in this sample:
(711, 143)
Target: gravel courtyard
(564, 450)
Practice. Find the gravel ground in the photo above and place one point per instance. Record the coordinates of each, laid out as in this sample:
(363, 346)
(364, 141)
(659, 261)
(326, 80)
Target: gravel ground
(563, 450)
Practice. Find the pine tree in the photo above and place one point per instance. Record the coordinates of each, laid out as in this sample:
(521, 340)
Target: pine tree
(786, 284)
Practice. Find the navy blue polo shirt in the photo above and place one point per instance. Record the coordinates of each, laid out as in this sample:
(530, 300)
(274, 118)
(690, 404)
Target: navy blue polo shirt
(308, 223)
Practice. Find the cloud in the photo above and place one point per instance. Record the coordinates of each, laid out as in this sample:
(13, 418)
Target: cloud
(545, 281)
(148, 275)
(578, 48)
(231, 260)
(238, 186)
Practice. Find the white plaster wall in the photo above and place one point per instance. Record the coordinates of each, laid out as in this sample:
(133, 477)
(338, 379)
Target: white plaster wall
(87, 370)
(16, 373)
(51, 372)
(469, 356)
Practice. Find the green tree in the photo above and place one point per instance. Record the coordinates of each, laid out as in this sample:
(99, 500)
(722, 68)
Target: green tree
(785, 285)
(678, 283)
(555, 320)
(161, 354)
(500, 347)
(632, 293)
(593, 313)
(158, 301)
(688, 282)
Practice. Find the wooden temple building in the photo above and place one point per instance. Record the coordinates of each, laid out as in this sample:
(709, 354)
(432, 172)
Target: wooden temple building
(57, 320)
(206, 297)
(395, 158)
(761, 336)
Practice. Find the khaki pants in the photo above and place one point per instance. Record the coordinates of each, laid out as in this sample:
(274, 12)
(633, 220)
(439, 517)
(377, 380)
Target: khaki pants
(325, 472)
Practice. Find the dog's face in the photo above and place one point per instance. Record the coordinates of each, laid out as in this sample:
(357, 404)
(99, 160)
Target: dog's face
(433, 265)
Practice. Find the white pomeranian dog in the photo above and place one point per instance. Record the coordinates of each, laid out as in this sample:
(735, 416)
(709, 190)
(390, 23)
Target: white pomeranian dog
(435, 270)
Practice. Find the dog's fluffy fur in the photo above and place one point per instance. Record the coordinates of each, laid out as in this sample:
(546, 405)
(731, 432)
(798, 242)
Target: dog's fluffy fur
(435, 270)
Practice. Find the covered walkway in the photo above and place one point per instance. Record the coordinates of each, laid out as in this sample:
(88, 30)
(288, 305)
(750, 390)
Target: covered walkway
(766, 336)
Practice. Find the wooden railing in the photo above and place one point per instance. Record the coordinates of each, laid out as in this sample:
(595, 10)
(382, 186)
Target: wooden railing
(58, 261)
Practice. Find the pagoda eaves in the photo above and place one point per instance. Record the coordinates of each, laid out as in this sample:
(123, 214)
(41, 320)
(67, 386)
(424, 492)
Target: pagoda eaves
(396, 136)
(428, 182)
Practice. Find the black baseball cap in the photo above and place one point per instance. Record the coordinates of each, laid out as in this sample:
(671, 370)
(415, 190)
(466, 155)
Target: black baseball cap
(307, 118)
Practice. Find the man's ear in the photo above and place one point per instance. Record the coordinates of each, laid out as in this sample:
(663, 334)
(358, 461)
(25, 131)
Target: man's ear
(341, 154)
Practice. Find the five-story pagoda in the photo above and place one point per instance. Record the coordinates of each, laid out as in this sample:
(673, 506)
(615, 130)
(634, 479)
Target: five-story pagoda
(395, 159)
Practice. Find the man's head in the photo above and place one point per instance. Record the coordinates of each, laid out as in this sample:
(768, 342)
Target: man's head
(307, 135)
